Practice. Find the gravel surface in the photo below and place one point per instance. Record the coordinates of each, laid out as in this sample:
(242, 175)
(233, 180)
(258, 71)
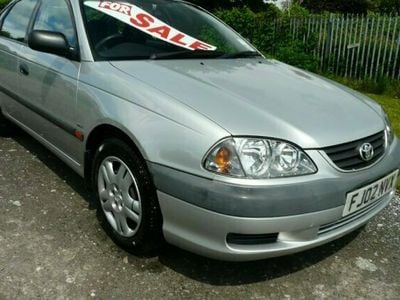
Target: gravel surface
(51, 247)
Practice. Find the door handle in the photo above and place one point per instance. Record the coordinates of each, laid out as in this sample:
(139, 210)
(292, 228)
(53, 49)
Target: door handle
(23, 69)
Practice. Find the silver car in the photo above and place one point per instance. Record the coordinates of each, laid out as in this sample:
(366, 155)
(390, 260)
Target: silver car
(186, 133)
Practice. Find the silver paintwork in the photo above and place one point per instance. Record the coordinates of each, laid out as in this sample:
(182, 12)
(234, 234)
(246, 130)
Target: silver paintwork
(119, 196)
(204, 232)
(176, 110)
(273, 198)
(51, 85)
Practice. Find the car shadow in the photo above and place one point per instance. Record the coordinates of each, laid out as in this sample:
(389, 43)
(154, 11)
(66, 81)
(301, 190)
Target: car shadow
(190, 265)
(221, 273)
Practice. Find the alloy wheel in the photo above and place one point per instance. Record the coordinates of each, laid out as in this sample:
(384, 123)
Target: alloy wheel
(119, 196)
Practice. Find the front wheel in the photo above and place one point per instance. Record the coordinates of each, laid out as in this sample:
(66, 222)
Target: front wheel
(128, 203)
(5, 126)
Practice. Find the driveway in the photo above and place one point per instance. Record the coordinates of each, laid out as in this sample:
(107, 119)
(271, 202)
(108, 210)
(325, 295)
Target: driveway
(52, 247)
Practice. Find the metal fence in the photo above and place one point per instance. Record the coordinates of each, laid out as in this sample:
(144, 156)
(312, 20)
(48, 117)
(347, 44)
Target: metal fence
(363, 47)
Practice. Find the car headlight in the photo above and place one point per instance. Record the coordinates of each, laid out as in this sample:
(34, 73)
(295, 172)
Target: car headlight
(389, 130)
(258, 159)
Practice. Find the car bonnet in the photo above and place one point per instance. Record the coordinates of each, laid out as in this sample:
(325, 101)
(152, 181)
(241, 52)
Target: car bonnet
(257, 97)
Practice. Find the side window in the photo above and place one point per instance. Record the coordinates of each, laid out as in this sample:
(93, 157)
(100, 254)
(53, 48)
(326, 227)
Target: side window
(16, 21)
(54, 15)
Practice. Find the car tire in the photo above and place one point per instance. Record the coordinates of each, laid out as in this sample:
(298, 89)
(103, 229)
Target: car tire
(127, 200)
(5, 126)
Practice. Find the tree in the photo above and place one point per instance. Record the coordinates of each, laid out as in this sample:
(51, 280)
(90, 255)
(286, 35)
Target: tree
(385, 6)
(338, 6)
(388, 6)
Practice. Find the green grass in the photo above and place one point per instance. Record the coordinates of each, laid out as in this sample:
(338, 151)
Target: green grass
(392, 107)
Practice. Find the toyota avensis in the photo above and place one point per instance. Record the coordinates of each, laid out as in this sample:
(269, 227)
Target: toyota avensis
(186, 133)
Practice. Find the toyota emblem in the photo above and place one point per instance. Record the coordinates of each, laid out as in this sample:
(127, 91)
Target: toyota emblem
(367, 152)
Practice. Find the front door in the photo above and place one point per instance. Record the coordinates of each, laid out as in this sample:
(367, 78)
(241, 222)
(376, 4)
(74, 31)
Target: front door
(48, 83)
(13, 28)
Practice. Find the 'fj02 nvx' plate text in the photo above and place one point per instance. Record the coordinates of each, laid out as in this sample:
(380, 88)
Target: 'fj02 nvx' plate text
(365, 196)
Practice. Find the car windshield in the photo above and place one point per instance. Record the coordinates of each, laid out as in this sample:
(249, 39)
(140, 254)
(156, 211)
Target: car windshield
(159, 29)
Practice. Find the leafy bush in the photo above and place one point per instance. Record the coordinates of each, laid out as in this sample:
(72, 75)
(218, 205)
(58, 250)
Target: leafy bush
(3, 3)
(269, 32)
(212, 5)
(394, 89)
(256, 27)
(296, 10)
(293, 54)
(337, 6)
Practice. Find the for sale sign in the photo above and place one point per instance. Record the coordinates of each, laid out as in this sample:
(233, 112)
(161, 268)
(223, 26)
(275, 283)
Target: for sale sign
(143, 21)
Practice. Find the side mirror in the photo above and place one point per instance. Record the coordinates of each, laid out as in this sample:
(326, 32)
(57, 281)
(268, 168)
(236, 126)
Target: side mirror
(50, 42)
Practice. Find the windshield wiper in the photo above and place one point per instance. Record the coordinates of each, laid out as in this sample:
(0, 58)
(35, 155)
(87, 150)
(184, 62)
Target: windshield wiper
(241, 54)
(187, 54)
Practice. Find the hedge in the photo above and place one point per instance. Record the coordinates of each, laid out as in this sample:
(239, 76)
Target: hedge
(269, 32)
(3, 3)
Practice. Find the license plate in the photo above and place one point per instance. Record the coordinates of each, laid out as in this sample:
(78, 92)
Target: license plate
(367, 195)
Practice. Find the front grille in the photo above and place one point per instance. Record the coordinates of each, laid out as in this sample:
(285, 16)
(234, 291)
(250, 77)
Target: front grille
(347, 156)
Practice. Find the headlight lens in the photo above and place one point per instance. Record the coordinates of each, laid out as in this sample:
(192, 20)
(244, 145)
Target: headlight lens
(389, 130)
(258, 159)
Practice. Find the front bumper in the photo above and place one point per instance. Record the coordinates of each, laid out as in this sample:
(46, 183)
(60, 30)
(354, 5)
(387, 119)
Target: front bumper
(205, 232)
(304, 212)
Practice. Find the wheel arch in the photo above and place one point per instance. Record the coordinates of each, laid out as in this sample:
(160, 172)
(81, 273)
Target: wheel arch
(97, 136)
